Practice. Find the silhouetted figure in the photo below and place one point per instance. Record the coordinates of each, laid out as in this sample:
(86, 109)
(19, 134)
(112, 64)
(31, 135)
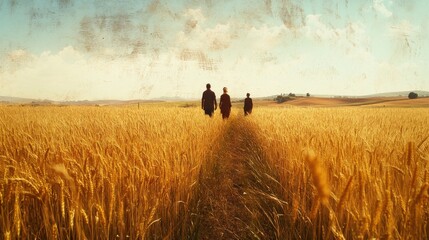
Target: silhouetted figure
(208, 101)
(225, 104)
(248, 105)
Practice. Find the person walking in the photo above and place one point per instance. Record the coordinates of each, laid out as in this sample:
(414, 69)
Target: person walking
(208, 101)
(248, 105)
(225, 104)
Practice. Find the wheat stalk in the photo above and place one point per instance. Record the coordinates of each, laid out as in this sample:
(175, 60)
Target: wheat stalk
(17, 211)
(62, 202)
(344, 195)
(100, 211)
(319, 176)
(54, 231)
(71, 218)
(7, 235)
(85, 216)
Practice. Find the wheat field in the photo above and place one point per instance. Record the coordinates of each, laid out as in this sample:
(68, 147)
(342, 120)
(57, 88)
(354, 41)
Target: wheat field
(349, 173)
(134, 172)
(100, 173)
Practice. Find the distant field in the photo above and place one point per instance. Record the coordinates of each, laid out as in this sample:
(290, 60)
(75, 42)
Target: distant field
(334, 102)
(166, 171)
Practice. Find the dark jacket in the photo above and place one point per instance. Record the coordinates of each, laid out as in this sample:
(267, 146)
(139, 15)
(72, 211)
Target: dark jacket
(248, 104)
(225, 103)
(208, 101)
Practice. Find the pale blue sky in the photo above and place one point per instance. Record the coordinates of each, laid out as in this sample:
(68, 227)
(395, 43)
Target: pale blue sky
(72, 49)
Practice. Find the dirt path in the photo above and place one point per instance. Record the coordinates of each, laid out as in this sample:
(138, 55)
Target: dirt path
(233, 200)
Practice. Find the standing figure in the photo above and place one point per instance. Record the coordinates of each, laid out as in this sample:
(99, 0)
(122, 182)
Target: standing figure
(225, 104)
(208, 101)
(248, 105)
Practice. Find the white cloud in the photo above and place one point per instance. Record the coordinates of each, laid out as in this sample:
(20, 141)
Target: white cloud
(15, 60)
(404, 28)
(314, 28)
(352, 38)
(267, 37)
(195, 14)
(19, 55)
(194, 18)
(380, 8)
(67, 75)
(260, 58)
(406, 39)
(400, 76)
(217, 38)
(73, 75)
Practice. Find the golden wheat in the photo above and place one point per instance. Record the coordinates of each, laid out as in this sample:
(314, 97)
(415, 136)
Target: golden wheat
(384, 150)
(100, 172)
(128, 172)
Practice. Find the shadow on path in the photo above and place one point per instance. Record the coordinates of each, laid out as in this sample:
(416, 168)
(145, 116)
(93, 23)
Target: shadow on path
(234, 202)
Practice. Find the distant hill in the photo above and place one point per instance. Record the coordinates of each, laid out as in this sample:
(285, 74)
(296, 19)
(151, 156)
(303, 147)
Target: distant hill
(169, 99)
(104, 102)
(377, 95)
(398, 94)
(8, 99)
(38, 102)
(349, 102)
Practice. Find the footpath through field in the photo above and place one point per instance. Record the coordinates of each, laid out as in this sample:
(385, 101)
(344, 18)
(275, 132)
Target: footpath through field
(233, 199)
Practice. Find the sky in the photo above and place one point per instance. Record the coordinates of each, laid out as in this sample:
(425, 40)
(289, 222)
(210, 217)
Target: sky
(141, 49)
